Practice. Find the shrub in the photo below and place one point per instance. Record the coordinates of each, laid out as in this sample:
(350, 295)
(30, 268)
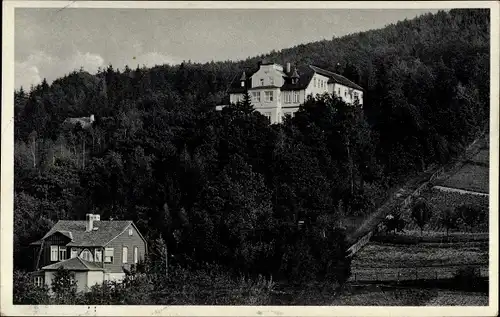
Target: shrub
(25, 292)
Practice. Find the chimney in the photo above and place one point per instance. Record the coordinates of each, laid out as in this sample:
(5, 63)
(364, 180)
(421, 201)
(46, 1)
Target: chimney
(89, 222)
(288, 68)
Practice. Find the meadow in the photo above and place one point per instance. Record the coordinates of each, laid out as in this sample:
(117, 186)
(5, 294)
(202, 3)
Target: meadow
(470, 177)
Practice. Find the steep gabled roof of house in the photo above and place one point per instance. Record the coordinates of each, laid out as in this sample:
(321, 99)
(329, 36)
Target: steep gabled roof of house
(75, 230)
(336, 78)
(73, 264)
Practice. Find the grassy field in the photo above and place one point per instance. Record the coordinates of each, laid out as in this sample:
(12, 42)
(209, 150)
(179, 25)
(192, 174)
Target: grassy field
(386, 296)
(458, 299)
(376, 255)
(482, 157)
(469, 177)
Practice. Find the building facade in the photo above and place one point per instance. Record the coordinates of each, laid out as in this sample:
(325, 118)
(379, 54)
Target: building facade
(92, 250)
(276, 92)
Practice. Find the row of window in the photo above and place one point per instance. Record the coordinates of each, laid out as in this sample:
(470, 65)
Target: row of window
(320, 83)
(268, 95)
(291, 94)
(268, 114)
(58, 253)
(271, 81)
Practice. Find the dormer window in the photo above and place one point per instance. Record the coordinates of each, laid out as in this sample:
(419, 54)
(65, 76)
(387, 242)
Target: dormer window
(87, 255)
(130, 231)
(262, 81)
(271, 81)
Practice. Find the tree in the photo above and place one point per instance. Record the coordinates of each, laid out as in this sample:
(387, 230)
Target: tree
(449, 219)
(469, 214)
(64, 286)
(421, 213)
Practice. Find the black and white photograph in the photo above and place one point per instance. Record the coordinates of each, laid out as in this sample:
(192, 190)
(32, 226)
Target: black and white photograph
(201, 158)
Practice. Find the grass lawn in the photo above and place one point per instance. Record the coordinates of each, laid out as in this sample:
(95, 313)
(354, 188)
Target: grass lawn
(458, 299)
(469, 177)
(376, 255)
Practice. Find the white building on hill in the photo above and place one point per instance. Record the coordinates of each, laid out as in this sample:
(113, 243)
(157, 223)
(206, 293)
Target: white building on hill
(276, 92)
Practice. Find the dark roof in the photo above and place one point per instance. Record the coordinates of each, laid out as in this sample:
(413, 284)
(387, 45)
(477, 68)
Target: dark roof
(305, 76)
(336, 78)
(106, 231)
(73, 264)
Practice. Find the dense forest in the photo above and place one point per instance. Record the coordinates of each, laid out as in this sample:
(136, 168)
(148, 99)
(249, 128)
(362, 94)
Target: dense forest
(228, 188)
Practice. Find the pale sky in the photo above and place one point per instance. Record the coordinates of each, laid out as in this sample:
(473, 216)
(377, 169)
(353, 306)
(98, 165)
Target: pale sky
(52, 42)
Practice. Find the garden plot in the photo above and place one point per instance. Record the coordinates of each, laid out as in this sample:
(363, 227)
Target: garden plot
(379, 256)
(470, 177)
(440, 201)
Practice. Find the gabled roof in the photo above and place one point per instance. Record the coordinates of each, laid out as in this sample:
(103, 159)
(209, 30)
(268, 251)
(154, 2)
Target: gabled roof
(336, 78)
(73, 264)
(75, 230)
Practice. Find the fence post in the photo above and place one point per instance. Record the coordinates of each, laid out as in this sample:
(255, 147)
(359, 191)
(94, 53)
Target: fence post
(355, 277)
(398, 276)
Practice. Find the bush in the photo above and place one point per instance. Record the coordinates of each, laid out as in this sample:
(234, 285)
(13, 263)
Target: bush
(25, 292)
(467, 278)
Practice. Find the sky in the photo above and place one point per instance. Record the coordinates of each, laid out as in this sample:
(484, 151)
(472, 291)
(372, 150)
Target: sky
(50, 42)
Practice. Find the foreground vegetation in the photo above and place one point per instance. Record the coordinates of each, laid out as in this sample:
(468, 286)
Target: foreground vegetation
(227, 188)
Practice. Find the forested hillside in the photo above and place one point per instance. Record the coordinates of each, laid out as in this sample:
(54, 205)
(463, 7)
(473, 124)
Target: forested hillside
(225, 186)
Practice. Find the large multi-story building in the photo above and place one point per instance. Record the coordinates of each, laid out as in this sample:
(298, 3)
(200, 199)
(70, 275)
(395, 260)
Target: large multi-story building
(276, 92)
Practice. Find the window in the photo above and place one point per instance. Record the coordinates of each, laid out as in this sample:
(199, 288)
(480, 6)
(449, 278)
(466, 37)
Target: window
(130, 231)
(242, 83)
(87, 255)
(269, 96)
(271, 81)
(256, 96)
(98, 255)
(136, 255)
(109, 255)
(345, 93)
(356, 97)
(38, 281)
(314, 82)
(296, 95)
(74, 252)
(62, 253)
(54, 249)
(268, 116)
(124, 255)
(288, 97)
(262, 81)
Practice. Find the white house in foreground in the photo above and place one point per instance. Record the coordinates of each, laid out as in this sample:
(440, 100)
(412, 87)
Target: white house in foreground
(276, 92)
